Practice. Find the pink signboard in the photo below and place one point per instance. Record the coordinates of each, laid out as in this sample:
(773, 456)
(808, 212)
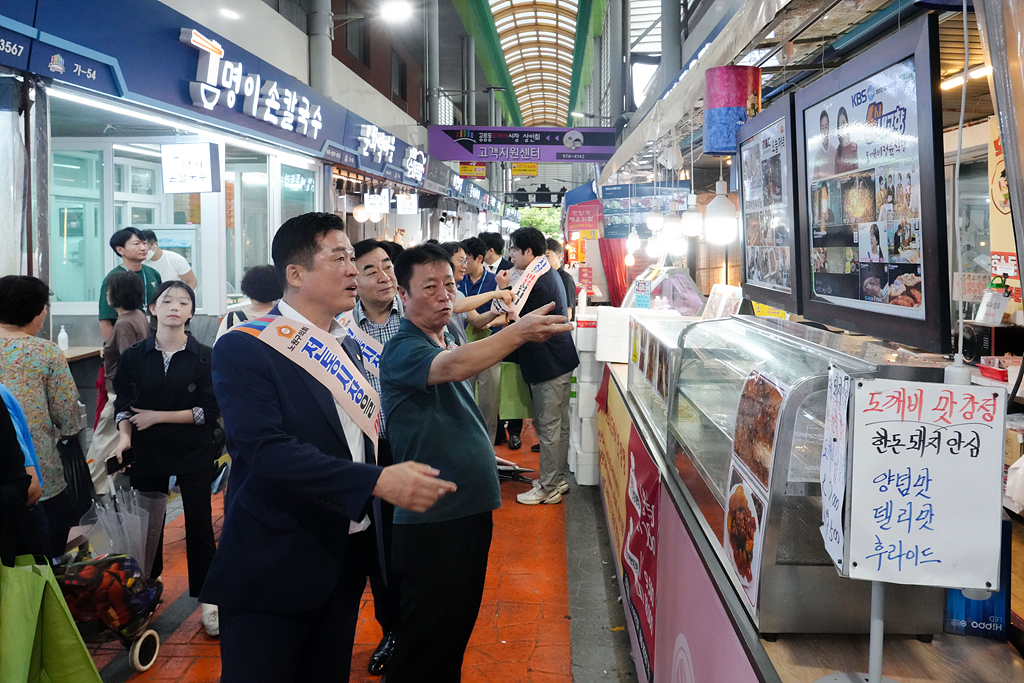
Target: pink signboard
(695, 639)
(640, 550)
(478, 143)
(584, 216)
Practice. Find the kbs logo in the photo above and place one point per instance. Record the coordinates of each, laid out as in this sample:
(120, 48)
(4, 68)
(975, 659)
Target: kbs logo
(863, 96)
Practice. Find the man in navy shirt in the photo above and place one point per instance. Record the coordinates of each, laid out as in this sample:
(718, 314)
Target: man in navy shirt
(479, 280)
(547, 367)
(440, 555)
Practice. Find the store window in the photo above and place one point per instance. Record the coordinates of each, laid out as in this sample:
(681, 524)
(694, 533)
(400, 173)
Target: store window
(355, 35)
(77, 225)
(298, 191)
(397, 77)
(247, 217)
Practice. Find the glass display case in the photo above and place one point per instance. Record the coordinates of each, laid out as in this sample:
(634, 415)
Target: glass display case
(652, 351)
(674, 285)
(745, 428)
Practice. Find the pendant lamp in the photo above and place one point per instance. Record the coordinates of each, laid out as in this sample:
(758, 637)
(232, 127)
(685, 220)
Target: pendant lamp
(720, 217)
(359, 213)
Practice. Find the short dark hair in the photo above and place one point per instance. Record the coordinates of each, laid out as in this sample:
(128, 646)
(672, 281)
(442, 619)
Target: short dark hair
(553, 245)
(22, 298)
(364, 247)
(452, 248)
(260, 284)
(298, 241)
(432, 241)
(121, 237)
(392, 248)
(125, 290)
(148, 236)
(529, 238)
(494, 241)
(824, 115)
(423, 254)
(175, 284)
(474, 247)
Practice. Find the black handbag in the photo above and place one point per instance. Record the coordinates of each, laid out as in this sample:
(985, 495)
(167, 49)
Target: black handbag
(77, 476)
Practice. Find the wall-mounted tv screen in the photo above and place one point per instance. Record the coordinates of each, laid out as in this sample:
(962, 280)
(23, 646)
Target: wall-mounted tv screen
(768, 208)
(872, 195)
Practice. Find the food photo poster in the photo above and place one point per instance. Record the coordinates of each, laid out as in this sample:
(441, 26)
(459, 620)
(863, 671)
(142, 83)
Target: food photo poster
(744, 532)
(767, 230)
(863, 182)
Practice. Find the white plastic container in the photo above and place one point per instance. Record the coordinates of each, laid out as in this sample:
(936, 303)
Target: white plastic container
(62, 339)
(586, 332)
(586, 401)
(590, 369)
(588, 434)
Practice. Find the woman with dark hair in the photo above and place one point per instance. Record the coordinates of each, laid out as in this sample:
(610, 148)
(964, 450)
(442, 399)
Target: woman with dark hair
(166, 411)
(37, 373)
(875, 254)
(263, 288)
(846, 151)
(125, 294)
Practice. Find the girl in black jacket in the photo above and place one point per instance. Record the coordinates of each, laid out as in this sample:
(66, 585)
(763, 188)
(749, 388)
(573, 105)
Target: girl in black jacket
(166, 411)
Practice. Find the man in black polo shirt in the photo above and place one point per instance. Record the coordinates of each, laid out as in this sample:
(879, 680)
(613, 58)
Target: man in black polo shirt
(547, 368)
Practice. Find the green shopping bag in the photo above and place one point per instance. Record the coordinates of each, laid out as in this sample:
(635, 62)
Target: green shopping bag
(39, 642)
(514, 399)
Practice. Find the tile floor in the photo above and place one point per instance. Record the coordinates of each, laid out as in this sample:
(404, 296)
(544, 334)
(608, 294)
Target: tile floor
(527, 620)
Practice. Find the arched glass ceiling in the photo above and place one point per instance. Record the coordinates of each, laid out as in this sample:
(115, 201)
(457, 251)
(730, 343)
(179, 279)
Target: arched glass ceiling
(537, 38)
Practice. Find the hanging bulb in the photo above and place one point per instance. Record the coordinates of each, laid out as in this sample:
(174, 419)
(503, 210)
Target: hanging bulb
(654, 220)
(359, 213)
(692, 221)
(629, 260)
(721, 216)
(655, 247)
(376, 217)
(574, 236)
(633, 241)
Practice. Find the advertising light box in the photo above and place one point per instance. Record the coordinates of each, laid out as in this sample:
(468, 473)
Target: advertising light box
(190, 167)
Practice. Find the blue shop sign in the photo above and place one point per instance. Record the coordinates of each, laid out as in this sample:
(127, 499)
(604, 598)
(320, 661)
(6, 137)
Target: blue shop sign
(14, 49)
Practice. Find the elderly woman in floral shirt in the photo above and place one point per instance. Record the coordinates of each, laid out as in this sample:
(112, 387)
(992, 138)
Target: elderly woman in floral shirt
(37, 373)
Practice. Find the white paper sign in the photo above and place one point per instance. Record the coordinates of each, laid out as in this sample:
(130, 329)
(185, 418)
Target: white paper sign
(833, 464)
(926, 483)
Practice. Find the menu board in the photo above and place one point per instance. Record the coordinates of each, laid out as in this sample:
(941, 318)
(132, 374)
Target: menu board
(625, 207)
(926, 483)
(863, 181)
(766, 217)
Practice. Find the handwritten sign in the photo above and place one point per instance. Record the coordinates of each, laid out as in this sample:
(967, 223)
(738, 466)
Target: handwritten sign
(833, 464)
(970, 287)
(926, 484)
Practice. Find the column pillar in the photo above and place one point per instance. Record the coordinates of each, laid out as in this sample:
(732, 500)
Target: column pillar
(321, 30)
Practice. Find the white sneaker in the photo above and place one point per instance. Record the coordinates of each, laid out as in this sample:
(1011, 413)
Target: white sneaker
(210, 619)
(563, 486)
(536, 497)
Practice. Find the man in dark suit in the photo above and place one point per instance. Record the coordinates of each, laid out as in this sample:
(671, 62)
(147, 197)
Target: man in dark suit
(494, 261)
(298, 541)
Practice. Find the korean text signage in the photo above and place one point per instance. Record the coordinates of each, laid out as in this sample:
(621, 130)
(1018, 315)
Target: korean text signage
(472, 170)
(640, 550)
(524, 169)
(864, 182)
(926, 484)
(407, 204)
(220, 81)
(190, 167)
(833, 463)
(587, 216)
(585, 145)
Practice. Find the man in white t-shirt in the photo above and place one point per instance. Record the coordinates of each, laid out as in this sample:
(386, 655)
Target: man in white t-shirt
(170, 265)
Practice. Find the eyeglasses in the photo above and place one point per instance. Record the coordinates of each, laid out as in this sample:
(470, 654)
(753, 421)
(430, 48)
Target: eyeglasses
(464, 262)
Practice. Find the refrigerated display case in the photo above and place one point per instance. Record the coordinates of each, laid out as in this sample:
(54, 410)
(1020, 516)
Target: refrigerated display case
(745, 428)
(652, 354)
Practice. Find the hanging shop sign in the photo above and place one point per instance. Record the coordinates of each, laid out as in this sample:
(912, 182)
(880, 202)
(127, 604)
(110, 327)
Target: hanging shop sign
(455, 184)
(436, 179)
(524, 169)
(221, 81)
(625, 207)
(585, 218)
(377, 203)
(472, 170)
(476, 143)
(190, 167)
(407, 204)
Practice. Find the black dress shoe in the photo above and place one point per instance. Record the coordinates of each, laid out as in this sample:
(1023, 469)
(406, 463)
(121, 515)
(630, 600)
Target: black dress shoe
(535, 448)
(382, 655)
(515, 443)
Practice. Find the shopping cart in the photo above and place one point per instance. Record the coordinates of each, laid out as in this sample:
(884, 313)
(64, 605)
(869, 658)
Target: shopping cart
(112, 591)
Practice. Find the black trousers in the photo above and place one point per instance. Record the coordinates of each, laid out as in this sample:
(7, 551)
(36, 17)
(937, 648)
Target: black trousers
(441, 569)
(299, 647)
(386, 596)
(200, 545)
(56, 522)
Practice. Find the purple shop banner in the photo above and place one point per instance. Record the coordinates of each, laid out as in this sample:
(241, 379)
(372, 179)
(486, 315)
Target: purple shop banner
(479, 143)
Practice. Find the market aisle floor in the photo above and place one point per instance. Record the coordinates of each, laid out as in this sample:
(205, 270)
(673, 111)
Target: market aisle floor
(521, 635)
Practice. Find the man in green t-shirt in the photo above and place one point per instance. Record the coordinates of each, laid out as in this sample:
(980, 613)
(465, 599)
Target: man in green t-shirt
(129, 244)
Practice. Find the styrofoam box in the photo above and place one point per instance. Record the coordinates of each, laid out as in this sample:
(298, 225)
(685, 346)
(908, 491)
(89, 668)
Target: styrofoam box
(585, 457)
(574, 431)
(588, 434)
(613, 325)
(590, 369)
(588, 475)
(572, 458)
(586, 401)
(586, 331)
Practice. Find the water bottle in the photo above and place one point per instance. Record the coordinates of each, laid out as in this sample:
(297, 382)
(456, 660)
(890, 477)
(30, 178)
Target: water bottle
(62, 339)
